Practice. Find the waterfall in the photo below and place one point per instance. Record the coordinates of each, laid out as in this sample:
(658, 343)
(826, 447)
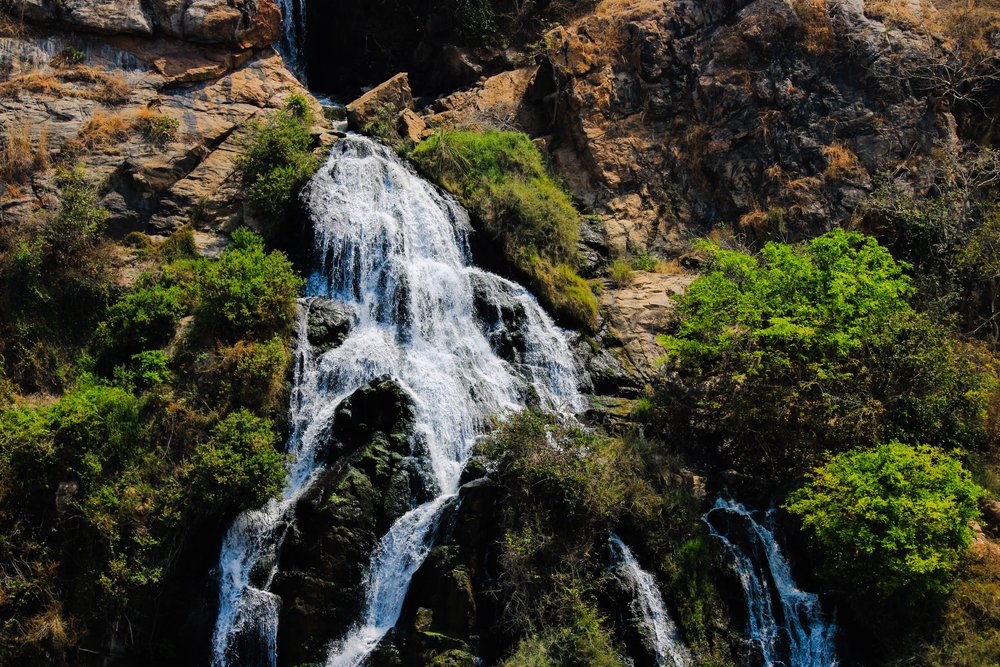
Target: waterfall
(395, 249)
(786, 624)
(293, 36)
(667, 645)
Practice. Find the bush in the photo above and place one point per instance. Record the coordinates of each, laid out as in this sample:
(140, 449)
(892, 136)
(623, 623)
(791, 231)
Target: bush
(276, 159)
(891, 518)
(141, 320)
(158, 128)
(621, 273)
(502, 179)
(240, 465)
(781, 356)
(247, 292)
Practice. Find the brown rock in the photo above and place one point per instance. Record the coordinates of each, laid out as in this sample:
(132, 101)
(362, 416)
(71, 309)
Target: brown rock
(113, 17)
(411, 126)
(387, 99)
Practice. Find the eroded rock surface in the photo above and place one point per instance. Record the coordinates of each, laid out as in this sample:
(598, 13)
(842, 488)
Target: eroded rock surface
(91, 98)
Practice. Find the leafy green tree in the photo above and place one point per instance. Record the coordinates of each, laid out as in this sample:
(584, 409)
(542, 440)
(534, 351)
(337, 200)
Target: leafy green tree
(891, 518)
(803, 348)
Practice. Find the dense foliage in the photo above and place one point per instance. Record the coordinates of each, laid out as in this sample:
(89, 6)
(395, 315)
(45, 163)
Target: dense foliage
(564, 490)
(891, 518)
(277, 158)
(781, 356)
(503, 181)
(161, 426)
(56, 277)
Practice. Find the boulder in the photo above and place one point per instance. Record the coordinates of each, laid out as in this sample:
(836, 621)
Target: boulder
(340, 520)
(112, 17)
(384, 102)
(411, 126)
(329, 323)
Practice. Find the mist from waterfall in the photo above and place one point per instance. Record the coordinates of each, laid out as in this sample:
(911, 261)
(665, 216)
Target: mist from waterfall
(667, 645)
(786, 624)
(394, 249)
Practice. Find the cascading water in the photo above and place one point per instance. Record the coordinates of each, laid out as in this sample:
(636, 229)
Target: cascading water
(395, 249)
(293, 13)
(667, 645)
(786, 624)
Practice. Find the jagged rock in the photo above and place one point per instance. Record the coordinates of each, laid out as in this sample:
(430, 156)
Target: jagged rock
(384, 102)
(329, 323)
(411, 126)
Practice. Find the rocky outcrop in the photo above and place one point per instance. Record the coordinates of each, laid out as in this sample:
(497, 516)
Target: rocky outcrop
(383, 104)
(155, 121)
(369, 483)
(238, 24)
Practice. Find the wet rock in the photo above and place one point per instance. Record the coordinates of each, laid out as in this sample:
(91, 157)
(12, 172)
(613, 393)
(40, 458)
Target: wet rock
(385, 101)
(501, 316)
(329, 323)
(341, 518)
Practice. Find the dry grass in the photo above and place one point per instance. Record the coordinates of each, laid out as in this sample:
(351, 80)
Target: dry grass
(905, 14)
(841, 162)
(20, 156)
(103, 131)
(110, 89)
(817, 36)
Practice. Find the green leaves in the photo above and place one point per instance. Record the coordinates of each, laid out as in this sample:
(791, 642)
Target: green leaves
(804, 348)
(890, 518)
(276, 159)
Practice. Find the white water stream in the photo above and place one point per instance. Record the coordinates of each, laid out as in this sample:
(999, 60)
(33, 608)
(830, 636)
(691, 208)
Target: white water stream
(668, 648)
(785, 623)
(395, 249)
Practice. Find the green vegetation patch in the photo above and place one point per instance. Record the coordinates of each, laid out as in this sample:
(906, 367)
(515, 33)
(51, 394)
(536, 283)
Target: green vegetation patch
(782, 355)
(889, 518)
(502, 179)
(277, 157)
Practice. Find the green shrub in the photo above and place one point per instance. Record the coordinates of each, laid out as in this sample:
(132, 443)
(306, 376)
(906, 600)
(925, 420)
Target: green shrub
(141, 320)
(158, 128)
(240, 464)
(782, 355)
(644, 262)
(276, 159)
(890, 518)
(502, 179)
(621, 273)
(56, 276)
(179, 245)
(247, 292)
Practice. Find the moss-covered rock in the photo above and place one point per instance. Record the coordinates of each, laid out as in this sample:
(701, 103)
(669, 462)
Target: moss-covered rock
(369, 483)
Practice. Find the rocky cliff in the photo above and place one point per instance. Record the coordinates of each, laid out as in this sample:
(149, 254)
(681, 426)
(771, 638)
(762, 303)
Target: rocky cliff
(151, 98)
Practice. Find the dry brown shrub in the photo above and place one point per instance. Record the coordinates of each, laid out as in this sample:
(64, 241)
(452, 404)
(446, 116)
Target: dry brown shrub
(102, 132)
(804, 184)
(20, 156)
(110, 89)
(841, 162)
(898, 13)
(35, 83)
(817, 36)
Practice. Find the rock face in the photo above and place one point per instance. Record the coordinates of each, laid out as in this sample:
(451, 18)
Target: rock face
(240, 24)
(98, 106)
(369, 483)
